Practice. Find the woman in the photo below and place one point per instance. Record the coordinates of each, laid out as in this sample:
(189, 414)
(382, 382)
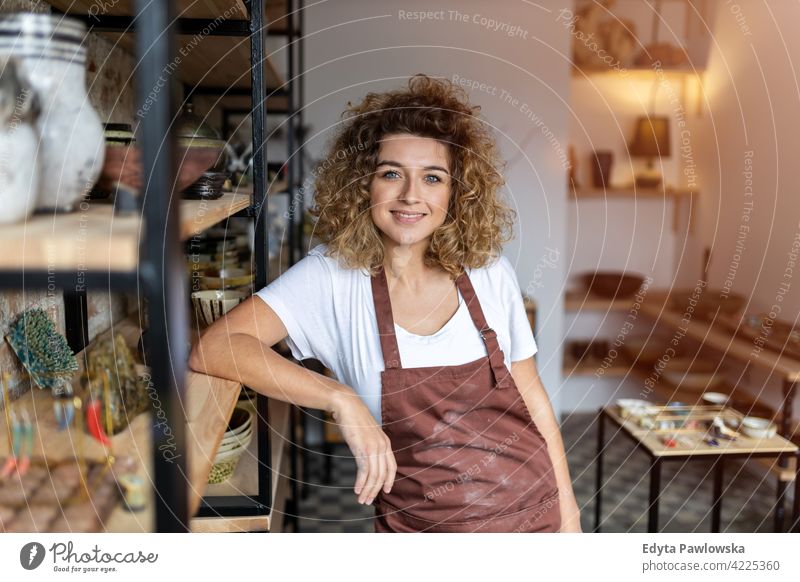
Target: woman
(409, 302)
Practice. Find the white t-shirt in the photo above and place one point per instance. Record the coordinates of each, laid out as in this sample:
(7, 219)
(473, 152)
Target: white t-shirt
(330, 316)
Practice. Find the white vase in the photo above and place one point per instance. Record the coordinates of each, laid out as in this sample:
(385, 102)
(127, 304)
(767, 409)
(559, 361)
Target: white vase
(53, 58)
(19, 168)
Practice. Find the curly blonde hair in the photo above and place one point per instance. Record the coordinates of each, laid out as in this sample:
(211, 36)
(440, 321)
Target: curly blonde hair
(478, 223)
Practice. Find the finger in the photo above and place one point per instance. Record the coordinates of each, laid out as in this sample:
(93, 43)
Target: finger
(361, 476)
(379, 463)
(372, 473)
(391, 471)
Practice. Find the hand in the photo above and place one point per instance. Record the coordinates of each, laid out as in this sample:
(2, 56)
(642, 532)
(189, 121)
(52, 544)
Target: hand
(570, 516)
(370, 447)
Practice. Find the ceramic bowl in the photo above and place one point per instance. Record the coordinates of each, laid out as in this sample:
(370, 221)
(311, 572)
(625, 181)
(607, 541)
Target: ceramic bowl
(241, 420)
(715, 398)
(758, 428)
(210, 305)
(612, 284)
(239, 441)
(224, 465)
(226, 278)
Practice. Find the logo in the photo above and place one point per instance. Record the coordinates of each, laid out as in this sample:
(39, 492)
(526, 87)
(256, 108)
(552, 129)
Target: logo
(31, 555)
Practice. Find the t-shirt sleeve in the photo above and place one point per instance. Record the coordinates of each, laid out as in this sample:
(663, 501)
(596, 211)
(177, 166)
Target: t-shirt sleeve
(302, 297)
(523, 344)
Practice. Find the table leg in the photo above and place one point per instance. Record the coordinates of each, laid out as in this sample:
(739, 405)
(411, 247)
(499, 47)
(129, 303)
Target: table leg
(598, 483)
(716, 507)
(780, 499)
(795, 528)
(655, 493)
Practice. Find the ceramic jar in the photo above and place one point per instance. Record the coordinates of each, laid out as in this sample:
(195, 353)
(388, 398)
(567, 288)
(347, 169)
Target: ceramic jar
(52, 55)
(19, 167)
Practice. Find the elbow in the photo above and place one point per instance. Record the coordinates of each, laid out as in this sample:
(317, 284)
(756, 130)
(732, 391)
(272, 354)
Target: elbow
(197, 362)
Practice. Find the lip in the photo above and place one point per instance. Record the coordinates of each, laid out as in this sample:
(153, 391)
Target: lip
(407, 219)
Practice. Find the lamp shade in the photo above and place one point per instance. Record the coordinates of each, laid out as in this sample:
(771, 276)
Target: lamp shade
(651, 138)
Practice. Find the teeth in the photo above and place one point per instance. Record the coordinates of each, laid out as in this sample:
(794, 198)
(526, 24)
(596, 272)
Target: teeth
(406, 215)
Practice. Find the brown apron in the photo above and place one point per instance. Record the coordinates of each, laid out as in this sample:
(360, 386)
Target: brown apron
(469, 456)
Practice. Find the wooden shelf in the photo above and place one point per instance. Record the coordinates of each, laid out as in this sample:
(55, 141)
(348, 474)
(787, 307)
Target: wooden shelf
(96, 239)
(724, 340)
(630, 192)
(634, 193)
(272, 522)
(634, 70)
(199, 215)
(91, 239)
(583, 301)
(591, 366)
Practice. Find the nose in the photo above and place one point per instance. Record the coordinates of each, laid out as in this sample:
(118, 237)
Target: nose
(409, 193)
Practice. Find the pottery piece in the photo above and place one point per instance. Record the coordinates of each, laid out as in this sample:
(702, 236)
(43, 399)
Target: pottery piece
(19, 164)
(52, 55)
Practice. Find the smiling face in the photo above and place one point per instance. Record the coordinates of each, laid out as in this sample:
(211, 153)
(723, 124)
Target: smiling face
(411, 188)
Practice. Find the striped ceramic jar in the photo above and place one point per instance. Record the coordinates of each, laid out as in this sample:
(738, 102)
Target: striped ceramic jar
(52, 54)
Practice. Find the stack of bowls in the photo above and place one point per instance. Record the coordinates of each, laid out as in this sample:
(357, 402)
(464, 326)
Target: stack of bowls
(234, 443)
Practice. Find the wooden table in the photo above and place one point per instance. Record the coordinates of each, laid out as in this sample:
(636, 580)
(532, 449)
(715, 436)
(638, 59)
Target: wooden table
(649, 442)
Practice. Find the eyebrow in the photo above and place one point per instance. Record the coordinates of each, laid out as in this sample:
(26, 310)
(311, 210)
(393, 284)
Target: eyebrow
(399, 165)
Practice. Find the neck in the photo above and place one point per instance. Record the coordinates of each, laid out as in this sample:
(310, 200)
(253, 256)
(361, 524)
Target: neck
(405, 263)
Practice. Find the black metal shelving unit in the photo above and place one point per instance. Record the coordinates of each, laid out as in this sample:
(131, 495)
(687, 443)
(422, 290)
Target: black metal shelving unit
(161, 252)
(245, 505)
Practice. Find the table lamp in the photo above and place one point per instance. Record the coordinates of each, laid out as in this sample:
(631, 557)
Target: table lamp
(650, 140)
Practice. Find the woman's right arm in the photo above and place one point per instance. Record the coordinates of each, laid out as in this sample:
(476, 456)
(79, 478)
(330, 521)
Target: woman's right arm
(238, 347)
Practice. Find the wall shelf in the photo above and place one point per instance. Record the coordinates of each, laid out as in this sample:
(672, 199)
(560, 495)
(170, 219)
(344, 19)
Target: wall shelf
(634, 70)
(679, 195)
(97, 239)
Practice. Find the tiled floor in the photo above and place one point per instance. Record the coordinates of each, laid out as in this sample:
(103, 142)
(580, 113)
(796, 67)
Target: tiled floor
(685, 503)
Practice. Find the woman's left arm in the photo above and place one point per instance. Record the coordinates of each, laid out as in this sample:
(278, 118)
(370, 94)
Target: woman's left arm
(526, 377)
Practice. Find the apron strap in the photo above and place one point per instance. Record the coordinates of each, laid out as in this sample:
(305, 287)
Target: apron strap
(388, 338)
(502, 376)
(383, 314)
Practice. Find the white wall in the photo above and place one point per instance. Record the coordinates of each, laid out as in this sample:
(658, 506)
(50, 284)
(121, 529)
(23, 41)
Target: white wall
(356, 47)
(752, 92)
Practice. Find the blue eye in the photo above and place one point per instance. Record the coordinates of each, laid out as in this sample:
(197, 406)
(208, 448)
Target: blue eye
(386, 174)
(435, 177)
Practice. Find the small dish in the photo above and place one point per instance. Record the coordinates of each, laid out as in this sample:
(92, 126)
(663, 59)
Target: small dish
(715, 398)
(758, 428)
